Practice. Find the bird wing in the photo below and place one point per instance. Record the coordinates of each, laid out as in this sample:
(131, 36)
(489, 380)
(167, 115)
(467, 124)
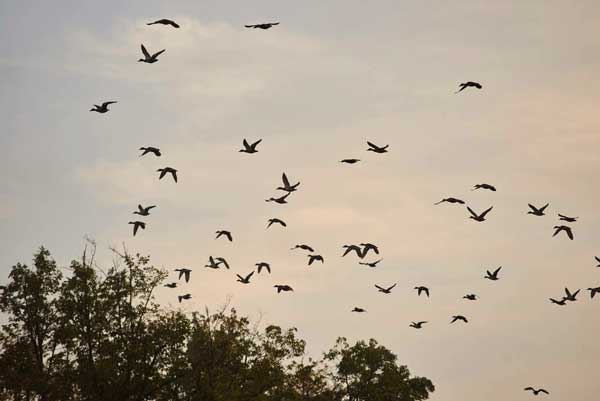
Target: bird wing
(249, 275)
(108, 103)
(597, 259)
(389, 289)
(379, 288)
(569, 232)
(249, 26)
(229, 236)
(372, 145)
(187, 275)
(426, 291)
(528, 388)
(174, 174)
(284, 178)
(146, 54)
(568, 293)
(486, 212)
(150, 207)
(240, 277)
(535, 209)
(544, 207)
(472, 212)
(135, 228)
(543, 391)
(180, 274)
(155, 55)
(256, 143)
(497, 270)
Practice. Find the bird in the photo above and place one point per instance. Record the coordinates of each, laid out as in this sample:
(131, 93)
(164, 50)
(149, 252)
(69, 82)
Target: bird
(103, 108)
(358, 310)
(418, 325)
(470, 297)
(182, 297)
(303, 247)
(568, 219)
(597, 260)
(469, 84)
(570, 296)
(150, 58)
(385, 290)
(266, 25)
(369, 247)
(484, 186)
(370, 264)
(451, 200)
(171, 285)
(493, 276)
(276, 220)
(144, 211)
(137, 225)
(281, 200)
(150, 149)
(245, 280)
(164, 21)
(594, 291)
(250, 148)
(286, 184)
(479, 217)
(283, 287)
(566, 229)
(561, 302)
(349, 161)
(421, 289)
(315, 258)
(535, 211)
(351, 248)
(262, 265)
(459, 317)
(212, 263)
(165, 170)
(226, 233)
(183, 272)
(536, 392)
(223, 261)
(377, 149)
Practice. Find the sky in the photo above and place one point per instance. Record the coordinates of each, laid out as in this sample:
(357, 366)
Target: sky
(331, 76)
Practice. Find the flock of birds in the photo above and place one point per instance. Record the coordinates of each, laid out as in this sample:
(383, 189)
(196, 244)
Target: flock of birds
(361, 250)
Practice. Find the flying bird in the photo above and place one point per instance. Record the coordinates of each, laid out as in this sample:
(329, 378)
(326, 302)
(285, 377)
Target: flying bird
(536, 392)
(484, 186)
(421, 289)
(535, 211)
(103, 108)
(352, 248)
(182, 297)
(568, 219)
(283, 287)
(171, 285)
(144, 211)
(183, 272)
(262, 265)
(137, 225)
(303, 247)
(315, 258)
(150, 58)
(594, 291)
(572, 297)
(358, 310)
(561, 302)
(349, 161)
(566, 229)
(376, 149)
(493, 276)
(451, 200)
(417, 325)
(165, 170)
(245, 280)
(150, 149)
(459, 317)
(479, 217)
(266, 25)
(281, 200)
(286, 184)
(164, 21)
(370, 264)
(385, 290)
(470, 297)
(250, 148)
(222, 261)
(212, 263)
(276, 221)
(225, 233)
(469, 84)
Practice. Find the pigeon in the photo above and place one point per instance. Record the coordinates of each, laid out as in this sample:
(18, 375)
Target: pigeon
(137, 225)
(250, 148)
(421, 289)
(245, 280)
(267, 25)
(164, 21)
(385, 290)
(469, 84)
(484, 186)
(171, 285)
(376, 149)
(478, 217)
(536, 392)
(315, 258)
(417, 325)
(493, 276)
(470, 297)
(566, 229)
(103, 108)
(459, 317)
(286, 184)
(165, 170)
(535, 211)
(150, 58)
(184, 273)
(567, 218)
(358, 310)
(182, 297)
(225, 233)
(451, 200)
(370, 264)
(281, 200)
(349, 161)
(150, 149)
(283, 287)
(303, 247)
(262, 265)
(144, 211)
(276, 220)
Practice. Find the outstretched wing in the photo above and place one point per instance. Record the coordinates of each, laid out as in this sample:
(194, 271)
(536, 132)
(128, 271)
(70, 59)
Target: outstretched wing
(497, 270)
(533, 208)
(486, 212)
(392, 287)
(248, 276)
(285, 180)
(372, 145)
(108, 103)
(569, 233)
(472, 212)
(155, 55)
(544, 207)
(379, 288)
(245, 143)
(146, 54)
(256, 143)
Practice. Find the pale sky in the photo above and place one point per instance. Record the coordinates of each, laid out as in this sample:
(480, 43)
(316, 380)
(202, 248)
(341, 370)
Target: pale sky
(334, 74)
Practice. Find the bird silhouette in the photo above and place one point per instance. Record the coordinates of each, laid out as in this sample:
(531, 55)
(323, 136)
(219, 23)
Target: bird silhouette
(451, 200)
(484, 186)
(478, 217)
(349, 161)
(261, 265)
(358, 310)
(281, 200)
(250, 148)
(150, 58)
(535, 211)
(212, 263)
(150, 149)
(267, 25)
(304, 247)
(137, 225)
(352, 248)
(568, 219)
(418, 325)
(421, 289)
(103, 108)
(183, 272)
(144, 211)
(594, 291)
(470, 297)
(370, 264)
(225, 233)
(566, 229)
(222, 261)
(459, 317)
(165, 170)
(561, 302)
(276, 221)
(493, 276)
(286, 184)
(283, 287)
(171, 285)
(164, 21)
(377, 149)
(385, 290)
(245, 280)
(315, 258)
(469, 84)
(536, 392)
(182, 297)
(572, 297)
(369, 247)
